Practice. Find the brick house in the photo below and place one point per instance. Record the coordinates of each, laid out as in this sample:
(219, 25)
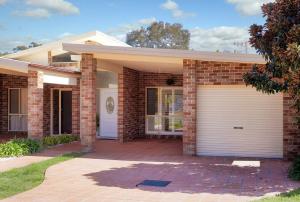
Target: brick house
(98, 87)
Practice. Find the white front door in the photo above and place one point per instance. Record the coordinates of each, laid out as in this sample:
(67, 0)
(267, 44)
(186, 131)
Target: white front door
(108, 113)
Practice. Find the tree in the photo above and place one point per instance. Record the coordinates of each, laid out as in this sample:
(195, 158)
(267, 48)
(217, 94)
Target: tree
(160, 35)
(23, 47)
(278, 41)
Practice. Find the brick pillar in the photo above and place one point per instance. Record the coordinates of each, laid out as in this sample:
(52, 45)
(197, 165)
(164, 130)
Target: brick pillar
(35, 104)
(88, 101)
(291, 129)
(121, 106)
(189, 107)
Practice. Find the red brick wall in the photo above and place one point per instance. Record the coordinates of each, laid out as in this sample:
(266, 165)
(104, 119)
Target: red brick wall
(8, 81)
(221, 73)
(228, 73)
(75, 106)
(291, 132)
(132, 86)
(189, 107)
(88, 100)
(147, 79)
(35, 104)
(128, 102)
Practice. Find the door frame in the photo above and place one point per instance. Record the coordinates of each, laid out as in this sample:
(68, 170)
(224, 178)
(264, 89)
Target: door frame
(59, 108)
(98, 134)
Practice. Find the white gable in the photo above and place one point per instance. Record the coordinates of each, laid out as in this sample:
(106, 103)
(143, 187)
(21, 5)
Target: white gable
(39, 54)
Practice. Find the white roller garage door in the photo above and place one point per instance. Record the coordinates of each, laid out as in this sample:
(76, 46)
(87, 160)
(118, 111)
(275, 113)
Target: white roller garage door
(239, 121)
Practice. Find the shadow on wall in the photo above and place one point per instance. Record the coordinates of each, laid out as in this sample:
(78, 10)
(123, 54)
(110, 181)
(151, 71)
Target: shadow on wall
(196, 177)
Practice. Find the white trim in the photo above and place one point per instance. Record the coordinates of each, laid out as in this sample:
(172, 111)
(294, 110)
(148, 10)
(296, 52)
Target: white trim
(14, 65)
(96, 36)
(163, 53)
(13, 114)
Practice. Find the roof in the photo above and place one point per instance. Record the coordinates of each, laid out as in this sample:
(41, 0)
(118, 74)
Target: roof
(14, 65)
(164, 53)
(22, 67)
(96, 36)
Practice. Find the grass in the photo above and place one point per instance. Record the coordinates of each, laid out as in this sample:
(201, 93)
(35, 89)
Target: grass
(22, 179)
(291, 196)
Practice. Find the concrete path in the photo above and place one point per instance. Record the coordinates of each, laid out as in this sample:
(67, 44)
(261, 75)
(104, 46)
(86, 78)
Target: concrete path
(112, 172)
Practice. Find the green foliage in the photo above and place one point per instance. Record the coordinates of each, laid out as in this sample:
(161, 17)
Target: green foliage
(23, 47)
(294, 171)
(59, 139)
(160, 35)
(19, 147)
(292, 196)
(22, 179)
(278, 41)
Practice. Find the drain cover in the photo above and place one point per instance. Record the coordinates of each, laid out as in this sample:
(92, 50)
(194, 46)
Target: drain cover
(154, 183)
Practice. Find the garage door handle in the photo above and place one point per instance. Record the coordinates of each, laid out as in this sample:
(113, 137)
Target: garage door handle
(238, 128)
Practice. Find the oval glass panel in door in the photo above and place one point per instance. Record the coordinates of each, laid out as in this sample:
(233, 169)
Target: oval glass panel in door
(110, 105)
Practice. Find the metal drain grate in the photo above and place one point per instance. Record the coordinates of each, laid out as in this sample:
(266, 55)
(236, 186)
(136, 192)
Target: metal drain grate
(154, 183)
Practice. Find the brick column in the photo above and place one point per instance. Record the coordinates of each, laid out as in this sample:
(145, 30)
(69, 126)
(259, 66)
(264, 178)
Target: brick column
(88, 101)
(291, 129)
(35, 104)
(189, 107)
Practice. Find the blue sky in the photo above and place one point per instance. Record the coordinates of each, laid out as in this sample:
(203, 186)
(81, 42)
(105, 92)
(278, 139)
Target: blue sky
(214, 24)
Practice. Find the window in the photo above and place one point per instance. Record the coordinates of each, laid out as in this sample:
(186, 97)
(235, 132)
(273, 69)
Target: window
(17, 109)
(164, 111)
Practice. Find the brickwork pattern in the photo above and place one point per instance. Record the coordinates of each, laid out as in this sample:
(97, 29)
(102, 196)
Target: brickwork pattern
(291, 132)
(88, 100)
(189, 107)
(6, 82)
(35, 104)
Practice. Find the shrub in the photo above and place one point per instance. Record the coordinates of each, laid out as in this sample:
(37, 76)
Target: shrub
(294, 171)
(59, 139)
(19, 147)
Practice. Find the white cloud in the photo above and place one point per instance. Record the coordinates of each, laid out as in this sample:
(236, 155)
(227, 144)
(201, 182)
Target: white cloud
(121, 31)
(173, 7)
(219, 38)
(46, 8)
(2, 2)
(35, 13)
(249, 7)
(57, 6)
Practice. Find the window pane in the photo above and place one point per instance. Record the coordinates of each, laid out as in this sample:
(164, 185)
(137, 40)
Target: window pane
(167, 102)
(14, 122)
(153, 123)
(166, 124)
(23, 123)
(178, 103)
(152, 99)
(24, 100)
(178, 124)
(14, 101)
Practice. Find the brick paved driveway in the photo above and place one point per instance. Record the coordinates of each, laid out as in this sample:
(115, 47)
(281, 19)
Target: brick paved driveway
(113, 170)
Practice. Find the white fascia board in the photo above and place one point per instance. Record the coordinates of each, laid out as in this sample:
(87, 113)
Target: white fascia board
(63, 80)
(14, 65)
(168, 53)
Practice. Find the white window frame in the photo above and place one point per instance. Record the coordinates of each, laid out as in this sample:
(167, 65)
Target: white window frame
(159, 114)
(15, 114)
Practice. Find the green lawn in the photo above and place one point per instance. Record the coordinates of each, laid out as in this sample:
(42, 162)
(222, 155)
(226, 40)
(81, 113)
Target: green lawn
(22, 179)
(291, 196)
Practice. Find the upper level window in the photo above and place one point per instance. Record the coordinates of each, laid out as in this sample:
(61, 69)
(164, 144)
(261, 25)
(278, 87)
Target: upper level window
(17, 109)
